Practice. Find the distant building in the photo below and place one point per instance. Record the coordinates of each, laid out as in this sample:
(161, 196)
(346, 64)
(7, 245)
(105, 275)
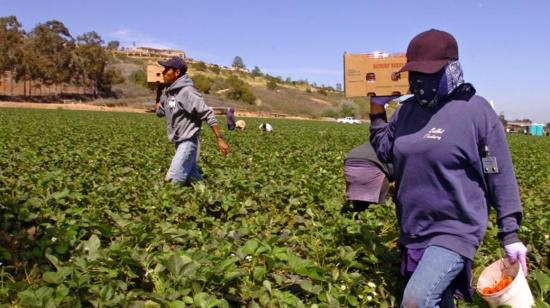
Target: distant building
(518, 127)
(149, 52)
(239, 69)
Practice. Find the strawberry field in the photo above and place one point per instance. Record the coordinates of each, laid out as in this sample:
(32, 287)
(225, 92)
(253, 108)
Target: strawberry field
(86, 218)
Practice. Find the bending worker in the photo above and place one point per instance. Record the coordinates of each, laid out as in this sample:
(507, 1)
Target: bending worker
(367, 179)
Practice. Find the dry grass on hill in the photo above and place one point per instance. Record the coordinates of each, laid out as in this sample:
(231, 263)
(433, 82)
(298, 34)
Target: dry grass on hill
(286, 99)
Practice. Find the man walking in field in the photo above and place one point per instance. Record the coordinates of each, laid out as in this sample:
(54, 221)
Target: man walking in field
(185, 110)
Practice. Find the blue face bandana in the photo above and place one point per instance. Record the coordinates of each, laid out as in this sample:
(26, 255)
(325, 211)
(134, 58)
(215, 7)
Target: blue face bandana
(430, 89)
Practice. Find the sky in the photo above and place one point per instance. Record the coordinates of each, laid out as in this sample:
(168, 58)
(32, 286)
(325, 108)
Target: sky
(504, 46)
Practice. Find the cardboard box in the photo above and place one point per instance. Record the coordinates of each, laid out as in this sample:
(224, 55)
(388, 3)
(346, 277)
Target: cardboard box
(370, 74)
(154, 74)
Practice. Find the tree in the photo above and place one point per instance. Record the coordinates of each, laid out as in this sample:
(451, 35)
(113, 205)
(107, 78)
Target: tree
(271, 84)
(239, 90)
(12, 38)
(113, 45)
(339, 87)
(50, 54)
(238, 63)
(200, 66)
(256, 72)
(215, 69)
(202, 83)
(348, 109)
(139, 78)
(93, 60)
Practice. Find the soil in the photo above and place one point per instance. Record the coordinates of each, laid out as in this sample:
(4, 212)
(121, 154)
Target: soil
(72, 106)
(90, 107)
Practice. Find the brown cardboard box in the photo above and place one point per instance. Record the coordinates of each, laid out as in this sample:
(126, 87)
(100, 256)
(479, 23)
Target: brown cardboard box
(154, 75)
(370, 74)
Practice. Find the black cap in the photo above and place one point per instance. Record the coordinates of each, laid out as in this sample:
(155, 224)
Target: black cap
(430, 51)
(175, 62)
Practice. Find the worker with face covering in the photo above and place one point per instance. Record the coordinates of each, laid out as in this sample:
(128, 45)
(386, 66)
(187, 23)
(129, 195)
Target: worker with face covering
(451, 163)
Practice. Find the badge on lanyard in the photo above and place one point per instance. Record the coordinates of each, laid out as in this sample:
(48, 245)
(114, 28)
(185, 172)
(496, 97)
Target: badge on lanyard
(172, 102)
(489, 163)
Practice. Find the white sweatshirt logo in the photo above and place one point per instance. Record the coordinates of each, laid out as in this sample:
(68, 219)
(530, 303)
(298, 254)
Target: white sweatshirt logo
(435, 133)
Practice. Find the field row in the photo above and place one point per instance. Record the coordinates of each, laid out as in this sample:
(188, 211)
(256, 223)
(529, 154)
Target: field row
(86, 217)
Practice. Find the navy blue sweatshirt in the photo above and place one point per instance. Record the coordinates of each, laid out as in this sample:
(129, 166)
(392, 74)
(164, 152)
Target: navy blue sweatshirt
(442, 194)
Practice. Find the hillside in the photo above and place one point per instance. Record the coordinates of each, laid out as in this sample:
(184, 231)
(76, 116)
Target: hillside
(287, 97)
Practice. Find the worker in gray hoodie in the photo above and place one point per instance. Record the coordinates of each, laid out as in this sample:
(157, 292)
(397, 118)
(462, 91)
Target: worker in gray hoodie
(185, 110)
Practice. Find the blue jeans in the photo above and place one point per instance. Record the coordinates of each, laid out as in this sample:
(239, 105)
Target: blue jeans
(184, 163)
(429, 284)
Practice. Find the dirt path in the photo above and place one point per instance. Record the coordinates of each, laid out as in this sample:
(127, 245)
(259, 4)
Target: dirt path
(69, 107)
(90, 107)
(320, 101)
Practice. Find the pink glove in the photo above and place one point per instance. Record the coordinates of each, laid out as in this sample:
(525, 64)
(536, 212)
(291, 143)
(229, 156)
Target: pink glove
(517, 251)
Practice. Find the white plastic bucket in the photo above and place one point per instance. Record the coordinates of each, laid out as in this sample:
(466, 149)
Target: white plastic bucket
(517, 294)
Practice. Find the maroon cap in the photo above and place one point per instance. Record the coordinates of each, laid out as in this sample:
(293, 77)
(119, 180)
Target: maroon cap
(174, 62)
(430, 51)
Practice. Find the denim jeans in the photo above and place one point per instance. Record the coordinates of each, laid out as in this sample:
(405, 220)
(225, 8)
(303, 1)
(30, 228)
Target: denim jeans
(184, 163)
(429, 284)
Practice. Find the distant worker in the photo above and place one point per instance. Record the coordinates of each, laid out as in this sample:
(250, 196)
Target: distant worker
(240, 124)
(367, 179)
(266, 127)
(230, 118)
(184, 109)
(452, 163)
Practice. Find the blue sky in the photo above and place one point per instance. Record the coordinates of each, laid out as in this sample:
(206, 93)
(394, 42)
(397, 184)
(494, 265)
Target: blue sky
(504, 45)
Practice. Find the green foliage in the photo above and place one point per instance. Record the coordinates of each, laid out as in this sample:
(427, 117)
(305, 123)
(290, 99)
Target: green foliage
(239, 90)
(51, 55)
(12, 38)
(200, 66)
(346, 108)
(272, 84)
(218, 84)
(87, 219)
(215, 69)
(322, 91)
(331, 112)
(277, 79)
(48, 54)
(93, 60)
(139, 78)
(115, 76)
(202, 83)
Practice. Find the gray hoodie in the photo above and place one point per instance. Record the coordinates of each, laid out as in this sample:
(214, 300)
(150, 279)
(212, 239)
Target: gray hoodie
(184, 109)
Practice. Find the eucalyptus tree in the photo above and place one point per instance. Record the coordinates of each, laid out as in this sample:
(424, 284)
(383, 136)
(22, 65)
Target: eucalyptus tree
(11, 48)
(50, 54)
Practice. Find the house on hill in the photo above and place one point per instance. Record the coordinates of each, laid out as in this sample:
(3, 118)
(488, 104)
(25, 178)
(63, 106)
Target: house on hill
(149, 52)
